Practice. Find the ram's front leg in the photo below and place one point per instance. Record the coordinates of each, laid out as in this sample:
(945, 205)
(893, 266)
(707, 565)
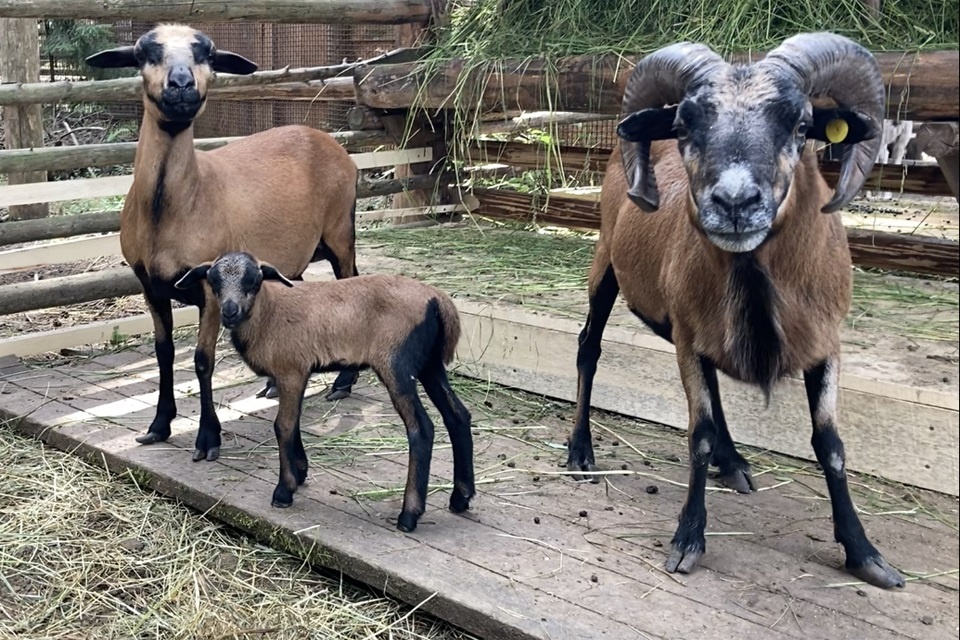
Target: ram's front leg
(208, 437)
(863, 559)
(700, 384)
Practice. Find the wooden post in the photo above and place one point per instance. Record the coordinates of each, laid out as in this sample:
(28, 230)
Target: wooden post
(23, 125)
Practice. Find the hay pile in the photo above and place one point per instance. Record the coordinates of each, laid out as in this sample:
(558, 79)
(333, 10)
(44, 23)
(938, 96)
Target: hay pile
(496, 29)
(84, 555)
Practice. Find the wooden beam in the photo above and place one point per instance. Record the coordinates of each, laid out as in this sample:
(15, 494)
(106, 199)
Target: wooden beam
(289, 11)
(120, 185)
(23, 125)
(59, 292)
(920, 86)
(917, 178)
(916, 254)
(324, 83)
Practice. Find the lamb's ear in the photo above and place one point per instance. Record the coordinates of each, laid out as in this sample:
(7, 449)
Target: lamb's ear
(193, 277)
(270, 272)
(119, 58)
(230, 62)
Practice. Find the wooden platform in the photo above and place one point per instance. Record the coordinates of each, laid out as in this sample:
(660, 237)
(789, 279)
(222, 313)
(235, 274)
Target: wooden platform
(539, 556)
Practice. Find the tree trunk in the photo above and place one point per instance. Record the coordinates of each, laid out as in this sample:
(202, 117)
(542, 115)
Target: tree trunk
(23, 126)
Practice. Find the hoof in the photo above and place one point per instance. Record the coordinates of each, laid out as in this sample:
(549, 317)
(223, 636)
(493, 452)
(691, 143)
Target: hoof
(209, 455)
(338, 394)
(407, 522)
(280, 505)
(684, 558)
(152, 437)
(583, 465)
(282, 497)
(876, 571)
(269, 392)
(740, 480)
(459, 502)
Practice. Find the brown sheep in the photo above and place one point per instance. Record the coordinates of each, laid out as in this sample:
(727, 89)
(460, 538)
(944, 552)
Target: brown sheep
(287, 194)
(400, 328)
(741, 269)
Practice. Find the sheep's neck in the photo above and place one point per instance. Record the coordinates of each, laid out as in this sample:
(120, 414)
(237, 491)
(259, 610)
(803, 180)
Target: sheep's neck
(166, 172)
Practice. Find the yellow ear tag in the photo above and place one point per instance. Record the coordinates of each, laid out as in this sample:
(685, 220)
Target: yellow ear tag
(837, 130)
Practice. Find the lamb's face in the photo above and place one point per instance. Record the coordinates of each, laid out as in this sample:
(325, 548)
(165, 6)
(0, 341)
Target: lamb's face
(741, 139)
(235, 279)
(176, 63)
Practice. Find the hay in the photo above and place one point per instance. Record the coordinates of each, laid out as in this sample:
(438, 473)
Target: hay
(87, 555)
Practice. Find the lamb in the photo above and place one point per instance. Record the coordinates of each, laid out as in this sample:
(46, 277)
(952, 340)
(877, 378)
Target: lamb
(740, 270)
(400, 328)
(287, 194)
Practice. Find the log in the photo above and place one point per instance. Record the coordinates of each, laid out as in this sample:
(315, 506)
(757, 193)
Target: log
(193, 11)
(920, 179)
(23, 125)
(323, 83)
(59, 292)
(363, 119)
(920, 86)
(111, 154)
(109, 221)
(916, 254)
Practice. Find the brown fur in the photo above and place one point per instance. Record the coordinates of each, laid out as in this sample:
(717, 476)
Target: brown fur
(666, 267)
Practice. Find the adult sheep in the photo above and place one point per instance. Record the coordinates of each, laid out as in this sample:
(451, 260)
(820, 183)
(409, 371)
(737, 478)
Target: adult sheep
(287, 194)
(741, 269)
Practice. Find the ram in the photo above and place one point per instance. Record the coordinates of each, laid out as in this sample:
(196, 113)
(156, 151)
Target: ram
(287, 194)
(745, 268)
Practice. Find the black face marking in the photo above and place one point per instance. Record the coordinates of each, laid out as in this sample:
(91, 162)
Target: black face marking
(172, 128)
(148, 50)
(203, 49)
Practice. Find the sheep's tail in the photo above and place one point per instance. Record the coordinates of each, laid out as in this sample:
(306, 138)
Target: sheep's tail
(450, 327)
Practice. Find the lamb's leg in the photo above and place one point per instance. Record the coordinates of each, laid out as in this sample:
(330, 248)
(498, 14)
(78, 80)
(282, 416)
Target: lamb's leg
(403, 394)
(286, 427)
(208, 436)
(340, 250)
(734, 469)
(863, 559)
(456, 418)
(689, 543)
(602, 291)
(162, 314)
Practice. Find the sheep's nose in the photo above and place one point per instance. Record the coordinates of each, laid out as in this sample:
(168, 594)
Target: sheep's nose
(230, 310)
(737, 201)
(181, 78)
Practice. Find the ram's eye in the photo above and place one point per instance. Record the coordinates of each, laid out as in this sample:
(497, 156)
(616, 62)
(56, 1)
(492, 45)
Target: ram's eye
(682, 132)
(801, 129)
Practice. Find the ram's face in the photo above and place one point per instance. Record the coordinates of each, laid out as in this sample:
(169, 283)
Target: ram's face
(741, 138)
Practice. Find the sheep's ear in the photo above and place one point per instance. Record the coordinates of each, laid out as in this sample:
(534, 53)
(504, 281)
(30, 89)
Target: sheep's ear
(229, 62)
(648, 124)
(119, 58)
(193, 277)
(841, 126)
(270, 272)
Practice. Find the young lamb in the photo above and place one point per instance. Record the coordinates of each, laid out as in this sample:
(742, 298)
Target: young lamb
(288, 194)
(741, 270)
(402, 329)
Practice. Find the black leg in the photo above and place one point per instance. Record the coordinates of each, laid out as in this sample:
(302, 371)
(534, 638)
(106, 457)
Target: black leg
(208, 437)
(603, 294)
(734, 469)
(162, 314)
(286, 427)
(456, 419)
(863, 559)
(403, 394)
(689, 544)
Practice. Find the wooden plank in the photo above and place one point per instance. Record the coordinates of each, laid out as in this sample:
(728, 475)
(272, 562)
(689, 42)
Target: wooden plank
(92, 333)
(59, 252)
(918, 178)
(199, 11)
(35, 257)
(120, 185)
(917, 254)
(920, 86)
